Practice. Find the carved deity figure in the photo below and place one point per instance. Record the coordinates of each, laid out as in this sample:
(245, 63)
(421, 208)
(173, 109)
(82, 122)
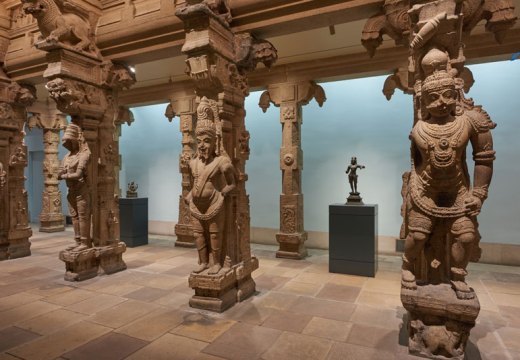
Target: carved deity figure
(352, 174)
(19, 157)
(74, 171)
(3, 176)
(212, 178)
(131, 192)
(442, 204)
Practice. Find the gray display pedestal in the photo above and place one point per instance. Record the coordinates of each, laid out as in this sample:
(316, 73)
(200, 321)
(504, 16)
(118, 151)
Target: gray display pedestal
(133, 215)
(353, 239)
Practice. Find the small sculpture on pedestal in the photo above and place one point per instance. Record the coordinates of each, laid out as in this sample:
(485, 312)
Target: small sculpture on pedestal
(131, 192)
(213, 177)
(352, 179)
(74, 171)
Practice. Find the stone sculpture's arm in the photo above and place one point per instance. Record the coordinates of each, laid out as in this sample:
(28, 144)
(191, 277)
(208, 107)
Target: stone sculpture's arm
(189, 195)
(229, 174)
(80, 170)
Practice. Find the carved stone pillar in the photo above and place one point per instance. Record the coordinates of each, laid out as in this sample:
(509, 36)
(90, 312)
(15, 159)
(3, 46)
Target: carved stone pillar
(185, 107)
(85, 86)
(218, 61)
(291, 97)
(441, 201)
(124, 116)
(14, 217)
(52, 122)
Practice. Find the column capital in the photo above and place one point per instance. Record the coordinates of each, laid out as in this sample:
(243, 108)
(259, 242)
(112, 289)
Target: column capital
(298, 93)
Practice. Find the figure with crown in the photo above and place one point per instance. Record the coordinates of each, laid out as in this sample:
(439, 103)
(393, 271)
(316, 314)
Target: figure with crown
(212, 178)
(74, 170)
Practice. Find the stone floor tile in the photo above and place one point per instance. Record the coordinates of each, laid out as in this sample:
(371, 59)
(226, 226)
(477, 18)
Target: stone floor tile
(510, 338)
(52, 321)
(348, 280)
(248, 312)
(111, 346)
(147, 294)
(50, 289)
(290, 346)
(502, 299)
(328, 309)
(174, 300)
(270, 282)
(25, 312)
(123, 313)
(243, 342)
(203, 356)
(374, 337)
(153, 325)
(275, 300)
(161, 281)
(13, 336)
(19, 299)
(170, 347)
(339, 292)
(70, 297)
(155, 268)
(60, 342)
(327, 328)
(383, 286)
(301, 288)
(379, 299)
(181, 270)
(287, 321)
(511, 314)
(372, 316)
(313, 278)
(120, 289)
(96, 304)
(342, 351)
(200, 326)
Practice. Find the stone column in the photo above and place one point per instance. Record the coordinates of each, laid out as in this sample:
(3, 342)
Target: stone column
(85, 86)
(218, 62)
(441, 201)
(52, 122)
(185, 107)
(291, 97)
(124, 116)
(14, 216)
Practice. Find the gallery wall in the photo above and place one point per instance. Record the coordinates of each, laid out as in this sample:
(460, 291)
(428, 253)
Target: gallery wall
(356, 120)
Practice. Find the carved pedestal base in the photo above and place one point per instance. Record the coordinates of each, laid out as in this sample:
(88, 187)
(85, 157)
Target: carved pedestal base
(4, 246)
(86, 264)
(52, 223)
(19, 244)
(111, 258)
(221, 291)
(184, 236)
(80, 265)
(292, 246)
(354, 198)
(438, 322)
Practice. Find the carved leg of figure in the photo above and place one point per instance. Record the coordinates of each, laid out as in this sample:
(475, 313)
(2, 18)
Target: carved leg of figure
(214, 261)
(200, 242)
(75, 221)
(84, 221)
(412, 248)
(463, 230)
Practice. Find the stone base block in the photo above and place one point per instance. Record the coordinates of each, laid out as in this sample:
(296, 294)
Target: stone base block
(80, 265)
(19, 244)
(354, 198)
(221, 291)
(292, 246)
(50, 226)
(111, 258)
(439, 323)
(184, 235)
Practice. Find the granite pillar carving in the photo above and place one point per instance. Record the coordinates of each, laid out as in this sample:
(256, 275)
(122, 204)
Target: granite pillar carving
(441, 200)
(290, 98)
(52, 122)
(218, 61)
(185, 107)
(124, 116)
(84, 85)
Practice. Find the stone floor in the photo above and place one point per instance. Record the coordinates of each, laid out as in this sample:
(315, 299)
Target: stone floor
(300, 311)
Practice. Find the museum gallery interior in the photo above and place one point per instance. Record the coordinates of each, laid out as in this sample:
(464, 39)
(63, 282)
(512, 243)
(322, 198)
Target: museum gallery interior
(152, 179)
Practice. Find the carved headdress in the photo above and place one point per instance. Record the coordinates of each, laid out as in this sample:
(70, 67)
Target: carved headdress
(73, 132)
(208, 123)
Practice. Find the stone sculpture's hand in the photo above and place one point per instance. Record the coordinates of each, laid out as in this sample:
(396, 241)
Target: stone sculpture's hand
(472, 205)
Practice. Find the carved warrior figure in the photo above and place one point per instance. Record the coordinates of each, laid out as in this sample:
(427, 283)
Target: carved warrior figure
(212, 178)
(74, 171)
(58, 23)
(444, 206)
(131, 192)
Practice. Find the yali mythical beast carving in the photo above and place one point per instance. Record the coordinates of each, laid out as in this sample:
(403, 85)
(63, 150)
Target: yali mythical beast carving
(212, 177)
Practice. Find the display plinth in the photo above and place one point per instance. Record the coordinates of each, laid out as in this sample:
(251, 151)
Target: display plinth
(353, 239)
(133, 215)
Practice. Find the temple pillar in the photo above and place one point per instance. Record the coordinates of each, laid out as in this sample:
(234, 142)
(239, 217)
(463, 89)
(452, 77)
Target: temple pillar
(124, 116)
(185, 107)
(52, 122)
(290, 98)
(14, 216)
(85, 86)
(441, 200)
(218, 61)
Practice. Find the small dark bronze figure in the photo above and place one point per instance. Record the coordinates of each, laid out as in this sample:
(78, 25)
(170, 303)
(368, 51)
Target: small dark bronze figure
(352, 179)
